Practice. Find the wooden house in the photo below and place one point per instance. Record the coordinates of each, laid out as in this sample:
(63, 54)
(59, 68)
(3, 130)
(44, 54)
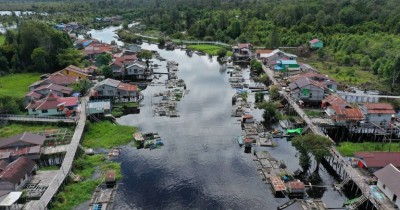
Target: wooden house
(307, 90)
(25, 144)
(378, 113)
(74, 71)
(17, 173)
(53, 105)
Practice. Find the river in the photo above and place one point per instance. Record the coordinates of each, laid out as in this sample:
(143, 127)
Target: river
(201, 165)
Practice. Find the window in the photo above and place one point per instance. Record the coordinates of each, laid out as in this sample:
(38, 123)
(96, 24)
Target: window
(394, 198)
(45, 111)
(136, 71)
(310, 95)
(67, 71)
(384, 186)
(379, 115)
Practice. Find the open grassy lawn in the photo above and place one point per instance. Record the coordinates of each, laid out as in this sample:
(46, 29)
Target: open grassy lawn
(85, 166)
(208, 48)
(107, 135)
(2, 39)
(16, 85)
(349, 148)
(16, 128)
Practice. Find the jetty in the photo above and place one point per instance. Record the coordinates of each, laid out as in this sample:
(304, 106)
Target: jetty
(66, 166)
(345, 169)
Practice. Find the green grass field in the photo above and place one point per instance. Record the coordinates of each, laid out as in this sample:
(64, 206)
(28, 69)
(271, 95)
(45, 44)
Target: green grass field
(208, 48)
(16, 85)
(349, 148)
(107, 135)
(15, 128)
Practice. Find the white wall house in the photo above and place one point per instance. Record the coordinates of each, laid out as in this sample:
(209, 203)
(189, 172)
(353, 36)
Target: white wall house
(389, 183)
(378, 113)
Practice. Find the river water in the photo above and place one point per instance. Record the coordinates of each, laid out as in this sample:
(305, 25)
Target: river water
(201, 165)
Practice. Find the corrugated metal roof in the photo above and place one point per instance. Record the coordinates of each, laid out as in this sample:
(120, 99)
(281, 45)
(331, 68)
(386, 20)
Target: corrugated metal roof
(390, 176)
(379, 159)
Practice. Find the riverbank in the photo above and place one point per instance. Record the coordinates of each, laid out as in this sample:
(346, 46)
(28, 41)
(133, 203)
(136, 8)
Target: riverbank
(209, 49)
(91, 170)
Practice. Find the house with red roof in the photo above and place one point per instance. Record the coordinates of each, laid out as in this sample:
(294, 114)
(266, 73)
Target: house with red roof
(389, 182)
(242, 52)
(341, 112)
(119, 64)
(42, 91)
(376, 160)
(58, 79)
(15, 175)
(378, 113)
(53, 105)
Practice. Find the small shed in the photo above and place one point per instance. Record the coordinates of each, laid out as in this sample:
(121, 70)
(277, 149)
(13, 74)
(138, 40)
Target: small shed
(110, 179)
(296, 189)
(316, 44)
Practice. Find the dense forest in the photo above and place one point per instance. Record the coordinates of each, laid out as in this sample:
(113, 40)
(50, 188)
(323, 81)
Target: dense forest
(356, 32)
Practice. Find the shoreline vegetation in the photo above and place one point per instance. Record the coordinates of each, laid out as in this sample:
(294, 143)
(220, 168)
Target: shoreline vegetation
(209, 49)
(347, 149)
(92, 169)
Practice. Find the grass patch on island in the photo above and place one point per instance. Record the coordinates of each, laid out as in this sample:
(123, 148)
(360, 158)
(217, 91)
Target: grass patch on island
(348, 149)
(16, 85)
(208, 48)
(11, 129)
(105, 134)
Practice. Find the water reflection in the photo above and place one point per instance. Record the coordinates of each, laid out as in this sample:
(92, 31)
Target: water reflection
(201, 166)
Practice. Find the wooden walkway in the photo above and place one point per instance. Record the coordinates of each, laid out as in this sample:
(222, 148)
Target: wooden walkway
(30, 118)
(358, 179)
(66, 166)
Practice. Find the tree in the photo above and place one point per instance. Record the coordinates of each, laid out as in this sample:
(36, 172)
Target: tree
(395, 73)
(273, 39)
(273, 92)
(366, 62)
(145, 54)
(125, 25)
(313, 144)
(82, 86)
(106, 71)
(40, 58)
(103, 59)
(161, 41)
(259, 97)
(221, 53)
(69, 56)
(270, 114)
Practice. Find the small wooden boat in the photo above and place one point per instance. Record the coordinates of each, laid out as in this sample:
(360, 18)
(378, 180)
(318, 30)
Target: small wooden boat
(240, 140)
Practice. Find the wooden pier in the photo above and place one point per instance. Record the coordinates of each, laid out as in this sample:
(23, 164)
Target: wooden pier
(46, 119)
(346, 169)
(66, 166)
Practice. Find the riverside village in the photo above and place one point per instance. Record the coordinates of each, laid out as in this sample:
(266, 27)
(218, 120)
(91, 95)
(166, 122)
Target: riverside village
(161, 123)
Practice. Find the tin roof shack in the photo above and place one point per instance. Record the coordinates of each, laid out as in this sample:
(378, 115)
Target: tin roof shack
(378, 113)
(389, 183)
(270, 58)
(307, 90)
(17, 173)
(8, 199)
(290, 67)
(320, 78)
(374, 161)
(25, 144)
(316, 44)
(341, 112)
(296, 189)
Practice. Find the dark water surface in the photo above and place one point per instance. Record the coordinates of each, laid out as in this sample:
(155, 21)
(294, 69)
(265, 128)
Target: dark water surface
(201, 165)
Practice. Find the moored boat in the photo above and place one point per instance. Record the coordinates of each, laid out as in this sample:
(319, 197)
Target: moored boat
(240, 140)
